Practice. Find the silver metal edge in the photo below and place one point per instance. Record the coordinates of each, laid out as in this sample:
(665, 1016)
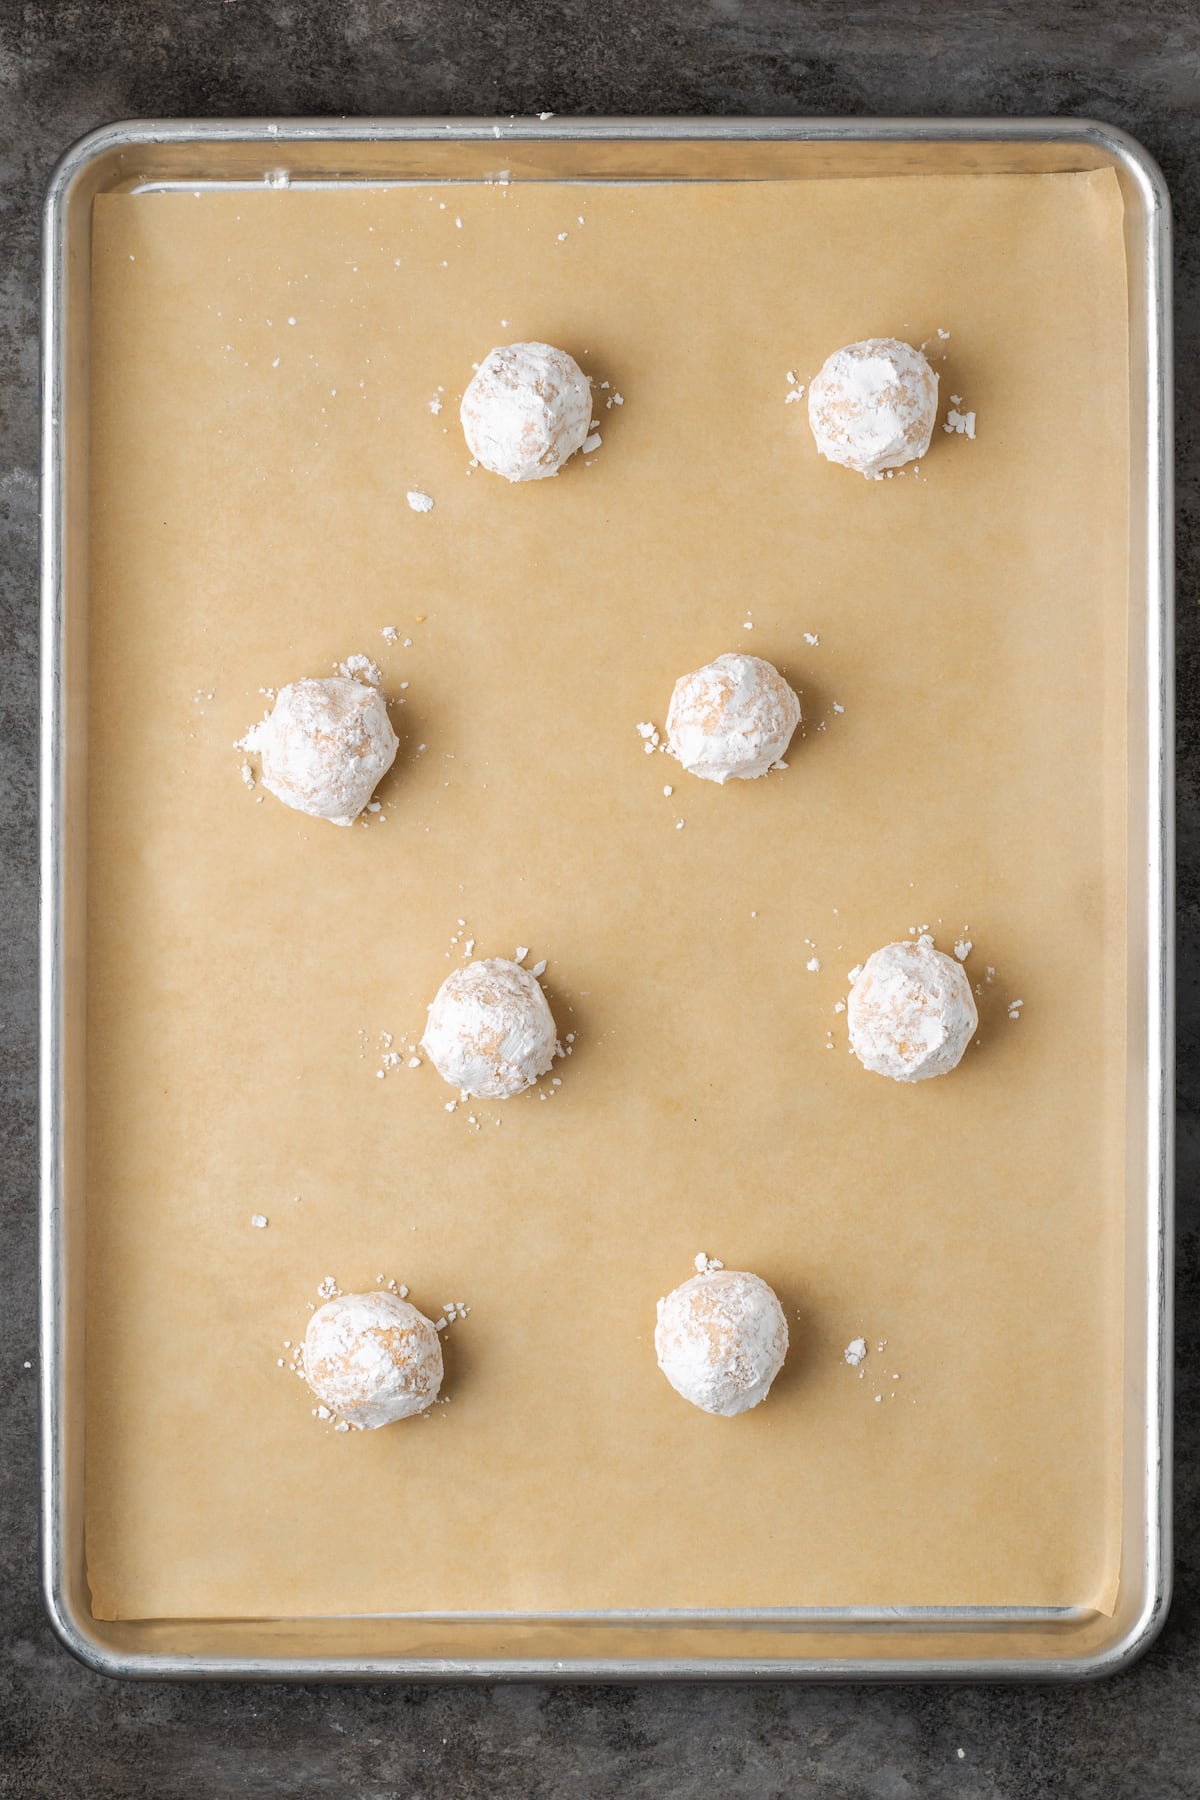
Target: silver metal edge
(1137, 1638)
(1158, 1347)
(52, 1247)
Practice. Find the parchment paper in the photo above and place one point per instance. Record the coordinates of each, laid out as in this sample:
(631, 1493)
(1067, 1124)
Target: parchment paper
(264, 364)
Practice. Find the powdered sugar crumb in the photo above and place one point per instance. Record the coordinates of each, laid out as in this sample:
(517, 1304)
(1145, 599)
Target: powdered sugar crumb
(420, 503)
(360, 668)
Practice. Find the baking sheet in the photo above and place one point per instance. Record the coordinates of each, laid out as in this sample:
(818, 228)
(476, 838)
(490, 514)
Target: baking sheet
(248, 527)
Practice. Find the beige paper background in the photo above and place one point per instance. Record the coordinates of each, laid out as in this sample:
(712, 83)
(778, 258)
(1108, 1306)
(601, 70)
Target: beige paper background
(249, 527)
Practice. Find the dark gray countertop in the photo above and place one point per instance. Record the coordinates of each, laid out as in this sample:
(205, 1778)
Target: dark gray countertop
(66, 66)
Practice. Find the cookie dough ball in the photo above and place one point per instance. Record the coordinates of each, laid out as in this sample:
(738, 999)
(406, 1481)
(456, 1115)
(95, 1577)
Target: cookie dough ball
(721, 1339)
(911, 1012)
(734, 717)
(526, 410)
(490, 1032)
(874, 405)
(325, 747)
(372, 1358)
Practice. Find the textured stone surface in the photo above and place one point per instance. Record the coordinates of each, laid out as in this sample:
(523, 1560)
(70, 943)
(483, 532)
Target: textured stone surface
(66, 65)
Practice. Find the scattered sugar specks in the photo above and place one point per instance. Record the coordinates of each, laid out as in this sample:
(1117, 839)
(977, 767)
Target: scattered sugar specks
(812, 638)
(837, 708)
(668, 791)
(592, 443)
(259, 1221)
(942, 334)
(538, 969)
(248, 776)
(960, 424)
(420, 503)
(328, 1288)
(963, 948)
(813, 965)
(1014, 1008)
(855, 1351)
(707, 1265)
(435, 406)
(520, 953)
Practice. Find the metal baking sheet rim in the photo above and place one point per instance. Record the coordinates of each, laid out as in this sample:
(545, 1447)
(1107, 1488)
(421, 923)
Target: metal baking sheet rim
(63, 1573)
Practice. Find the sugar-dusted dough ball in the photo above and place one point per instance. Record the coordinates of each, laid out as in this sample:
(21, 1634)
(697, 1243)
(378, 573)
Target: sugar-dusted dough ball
(527, 408)
(911, 1012)
(372, 1358)
(490, 1032)
(733, 717)
(721, 1339)
(325, 747)
(874, 405)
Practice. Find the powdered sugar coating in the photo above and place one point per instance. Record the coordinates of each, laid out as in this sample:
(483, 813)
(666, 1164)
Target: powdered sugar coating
(874, 405)
(720, 1340)
(526, 410)
(911, 1012)
(372, 1358)
(325, 747)
(733, 717)
(490, 1031)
